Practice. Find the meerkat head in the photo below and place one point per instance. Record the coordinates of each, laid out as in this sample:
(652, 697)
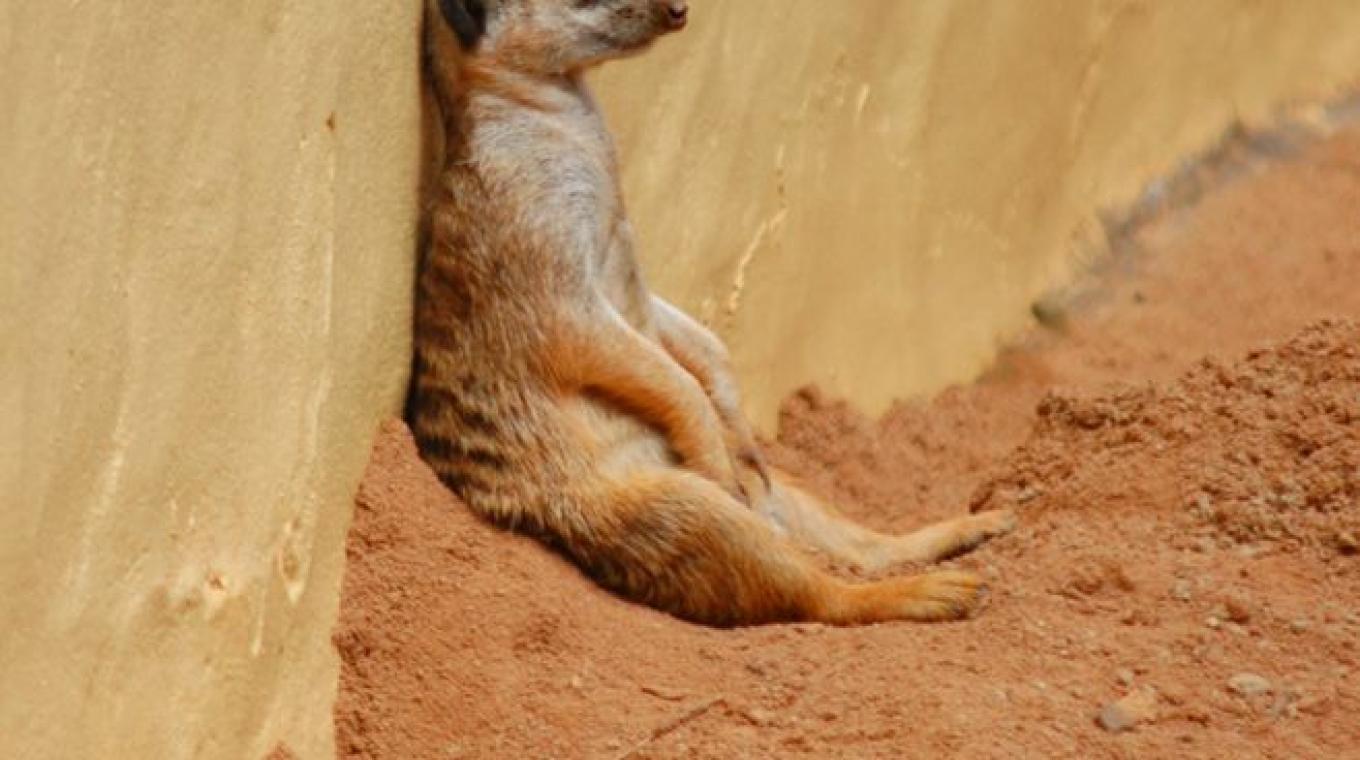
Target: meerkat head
(561, 36)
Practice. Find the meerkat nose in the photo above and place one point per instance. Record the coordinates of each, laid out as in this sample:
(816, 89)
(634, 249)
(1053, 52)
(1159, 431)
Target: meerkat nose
(679, 14)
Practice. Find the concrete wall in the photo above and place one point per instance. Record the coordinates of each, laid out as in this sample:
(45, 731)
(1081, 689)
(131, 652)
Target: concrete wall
(205, 264)
(869, 194)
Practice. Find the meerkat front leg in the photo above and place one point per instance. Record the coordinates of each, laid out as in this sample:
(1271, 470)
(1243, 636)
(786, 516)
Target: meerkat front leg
(600, 353)
(705, 357)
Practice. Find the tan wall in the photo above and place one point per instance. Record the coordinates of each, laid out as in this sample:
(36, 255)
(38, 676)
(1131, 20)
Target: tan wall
(204, 291)
(868, 194)
(203, 312)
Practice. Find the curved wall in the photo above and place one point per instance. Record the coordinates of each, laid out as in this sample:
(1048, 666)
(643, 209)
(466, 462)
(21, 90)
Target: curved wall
(869, 195)
(206, 232)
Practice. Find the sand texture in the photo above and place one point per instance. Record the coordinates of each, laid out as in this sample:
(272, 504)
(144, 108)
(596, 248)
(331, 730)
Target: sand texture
(1183, 448)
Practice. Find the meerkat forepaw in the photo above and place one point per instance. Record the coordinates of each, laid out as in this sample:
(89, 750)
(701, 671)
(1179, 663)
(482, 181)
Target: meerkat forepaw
(975, 530)
(751, 458)
(997, 522)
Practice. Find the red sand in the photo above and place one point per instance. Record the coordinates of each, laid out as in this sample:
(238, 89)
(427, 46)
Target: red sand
(1188, 538)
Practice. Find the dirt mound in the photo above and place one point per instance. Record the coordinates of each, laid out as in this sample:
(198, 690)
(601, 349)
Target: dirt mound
(461, 641)
(1265, 450)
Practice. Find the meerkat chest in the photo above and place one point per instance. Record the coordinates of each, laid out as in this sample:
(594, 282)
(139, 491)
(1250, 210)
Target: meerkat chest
(579, 191)
(559, 169)
(603, 227)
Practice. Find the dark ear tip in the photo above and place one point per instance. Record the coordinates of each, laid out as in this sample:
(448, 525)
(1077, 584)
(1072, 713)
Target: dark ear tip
(467, 18)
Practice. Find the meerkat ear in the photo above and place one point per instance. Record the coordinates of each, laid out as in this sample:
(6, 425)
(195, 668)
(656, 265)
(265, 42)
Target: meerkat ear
(467, 18)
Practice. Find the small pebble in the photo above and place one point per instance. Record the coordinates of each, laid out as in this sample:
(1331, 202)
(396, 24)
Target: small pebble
(1237, 609)
(1181, 591)
(759, 717)
(1250, 551)
(1299, 626)
(1248, 685)
(1127, 713)
(1347, 543)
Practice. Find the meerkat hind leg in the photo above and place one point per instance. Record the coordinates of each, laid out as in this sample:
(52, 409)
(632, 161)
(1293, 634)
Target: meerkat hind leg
(949, 538)
(810, 521)
(681, 544)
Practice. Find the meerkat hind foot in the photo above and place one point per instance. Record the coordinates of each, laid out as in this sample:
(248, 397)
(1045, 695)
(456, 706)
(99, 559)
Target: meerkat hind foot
(928, 598)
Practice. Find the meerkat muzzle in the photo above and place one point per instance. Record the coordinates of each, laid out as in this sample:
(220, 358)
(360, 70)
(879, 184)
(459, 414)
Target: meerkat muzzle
(677, 15)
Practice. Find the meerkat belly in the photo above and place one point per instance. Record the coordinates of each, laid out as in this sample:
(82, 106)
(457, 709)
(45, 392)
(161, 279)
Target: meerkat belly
(623, 443)
(620, 444)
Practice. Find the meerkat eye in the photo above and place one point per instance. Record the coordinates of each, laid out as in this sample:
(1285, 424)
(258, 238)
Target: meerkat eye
(467, 18)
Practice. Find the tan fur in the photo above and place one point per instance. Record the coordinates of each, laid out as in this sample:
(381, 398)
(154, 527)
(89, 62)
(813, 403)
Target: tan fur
(557, 395)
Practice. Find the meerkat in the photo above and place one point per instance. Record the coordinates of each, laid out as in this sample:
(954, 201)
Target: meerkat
(556, 395)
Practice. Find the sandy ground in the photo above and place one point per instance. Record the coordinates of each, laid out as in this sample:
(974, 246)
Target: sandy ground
(1184, 449)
